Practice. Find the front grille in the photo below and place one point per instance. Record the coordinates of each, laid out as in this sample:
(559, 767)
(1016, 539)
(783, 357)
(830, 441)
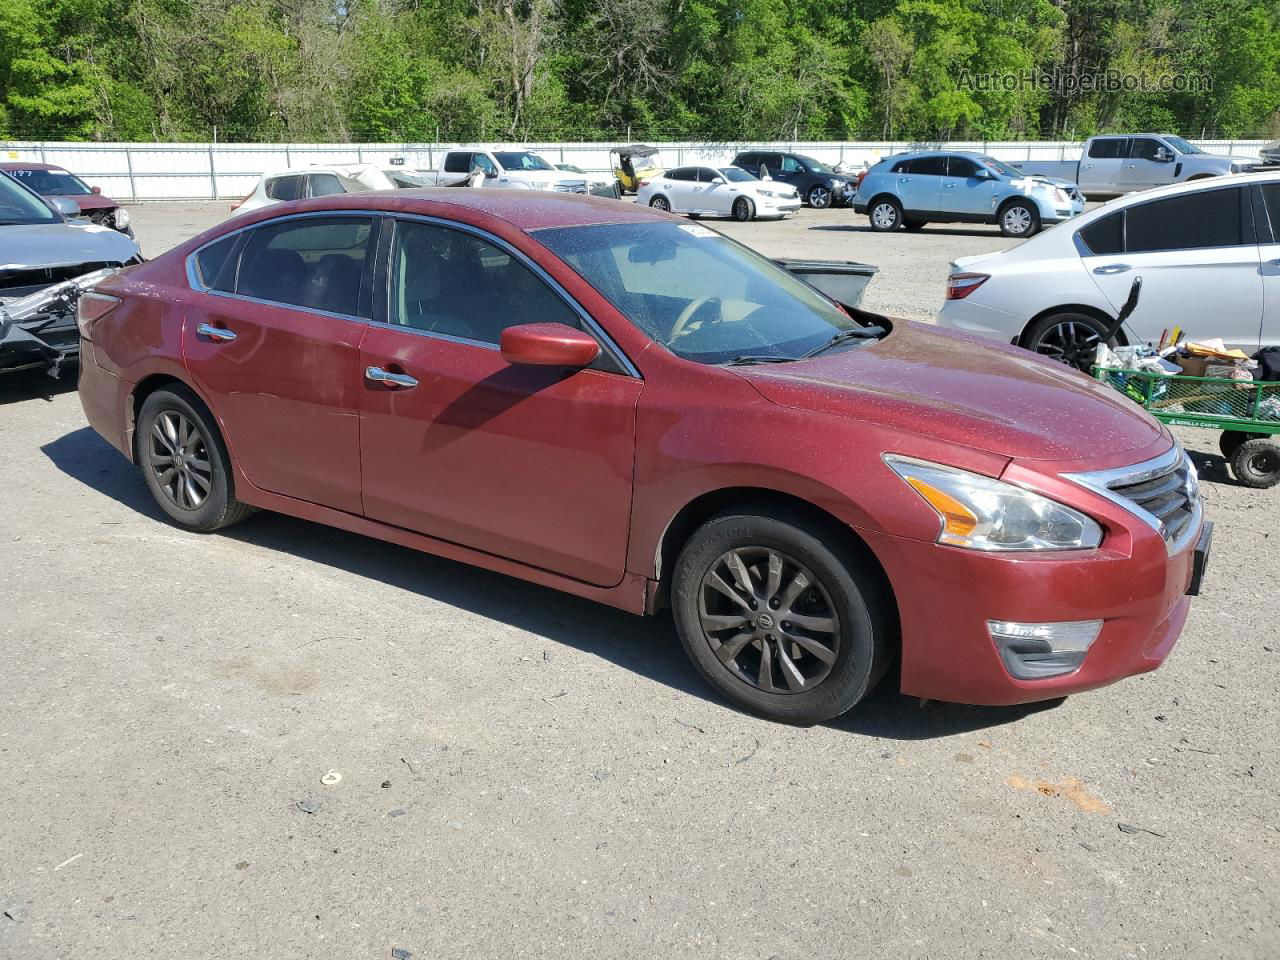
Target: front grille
(18, 283)
(1164, 492)
(571, 186)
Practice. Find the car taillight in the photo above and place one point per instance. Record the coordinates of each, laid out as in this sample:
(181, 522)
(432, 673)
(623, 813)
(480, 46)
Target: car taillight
(644, 183)
(960, 285)
(241, 203)
(91, 308)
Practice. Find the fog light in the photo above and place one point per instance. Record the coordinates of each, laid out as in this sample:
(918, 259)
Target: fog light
(1033, 651)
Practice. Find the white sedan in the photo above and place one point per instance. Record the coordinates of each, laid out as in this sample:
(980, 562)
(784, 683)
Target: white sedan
(1208, 252)
(300, 182)
(718, 192)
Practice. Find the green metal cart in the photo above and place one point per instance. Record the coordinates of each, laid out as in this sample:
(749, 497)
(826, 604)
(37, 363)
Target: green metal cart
(1246, 411)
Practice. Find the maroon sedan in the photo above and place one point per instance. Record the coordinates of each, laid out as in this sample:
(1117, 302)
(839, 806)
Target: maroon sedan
(52, 181)
(626, 406)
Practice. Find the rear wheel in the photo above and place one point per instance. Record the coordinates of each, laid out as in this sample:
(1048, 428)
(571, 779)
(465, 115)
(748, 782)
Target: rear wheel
(819, 197)
(885, 214)
(1256, 462)
(1019, 219)
(660, 203)
(1229, 441)
(1070, 338)
(742, 210)
(185, 462)
(776, 620)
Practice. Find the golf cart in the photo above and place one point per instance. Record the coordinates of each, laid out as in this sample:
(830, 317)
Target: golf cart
(632, 164)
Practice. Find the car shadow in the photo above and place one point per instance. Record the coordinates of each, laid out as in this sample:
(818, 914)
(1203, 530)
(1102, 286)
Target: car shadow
(35, 385)
(993, 233)
(647, 646)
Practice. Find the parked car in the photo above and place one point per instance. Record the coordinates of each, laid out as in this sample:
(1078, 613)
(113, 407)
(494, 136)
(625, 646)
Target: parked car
(297, 183)
(53, 181)
(911, 190)
(818, 185)
(1112, 165)
(1270, 154)
(607, 400)
(505, 169)
(718, 192)
(633, 163)
(1208, 253)
(598, 184)
(44, 260)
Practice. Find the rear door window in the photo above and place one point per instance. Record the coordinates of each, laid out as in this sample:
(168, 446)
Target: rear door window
(324, 185)
(929, 166)
(285, 188)
(457, 161)
(312, 262)
(1271, 196)
(682, 173)
(1107, 148)
(1207, 218)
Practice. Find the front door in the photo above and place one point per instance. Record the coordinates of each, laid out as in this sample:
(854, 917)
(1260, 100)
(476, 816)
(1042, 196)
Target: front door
(1143, 168)
(965, 192)
(529, 463)
(1198, 260)
(272, 339)
(715, 198)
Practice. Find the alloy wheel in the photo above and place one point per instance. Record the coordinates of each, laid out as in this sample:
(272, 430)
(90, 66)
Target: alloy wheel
(660, 203)
(1070, 342)
(819, 198)
(179, 459)
(1017, 220)
(884, 216)
(768, 620)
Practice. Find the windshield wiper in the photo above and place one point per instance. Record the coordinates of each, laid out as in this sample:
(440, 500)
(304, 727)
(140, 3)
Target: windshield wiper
(858, 333)
(748, 359)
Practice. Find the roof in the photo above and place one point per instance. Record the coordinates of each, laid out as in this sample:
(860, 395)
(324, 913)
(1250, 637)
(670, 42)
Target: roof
(15, 165)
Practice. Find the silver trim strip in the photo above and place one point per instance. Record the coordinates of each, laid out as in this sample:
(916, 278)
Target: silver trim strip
(1101, 482)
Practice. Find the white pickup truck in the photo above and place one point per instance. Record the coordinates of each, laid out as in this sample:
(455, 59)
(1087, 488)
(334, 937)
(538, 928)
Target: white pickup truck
(506, 169)
(1112, 165)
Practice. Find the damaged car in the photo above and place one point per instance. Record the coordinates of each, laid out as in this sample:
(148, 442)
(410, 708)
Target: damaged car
(46, 262)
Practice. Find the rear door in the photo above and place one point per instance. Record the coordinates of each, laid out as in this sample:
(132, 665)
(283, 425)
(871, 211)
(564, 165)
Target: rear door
(1198, 260)
(533, 464)
(964, 192)
(272, 339)
(680, 188)
(1267, 214)
(920, 186)
(1100, 166)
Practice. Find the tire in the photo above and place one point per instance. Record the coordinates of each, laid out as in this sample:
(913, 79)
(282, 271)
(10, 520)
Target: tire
(819, 197)
(743, 210)
(885, 214)
(841, 592)
(914, 225)
(660, 203)
(1019, 219)
(1256, 463)
(1068, 337)
(174, 422)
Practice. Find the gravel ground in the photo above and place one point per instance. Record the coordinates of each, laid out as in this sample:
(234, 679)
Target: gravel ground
(525, 774)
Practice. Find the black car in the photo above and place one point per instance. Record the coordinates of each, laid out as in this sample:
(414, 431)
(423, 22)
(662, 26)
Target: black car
(818, 185)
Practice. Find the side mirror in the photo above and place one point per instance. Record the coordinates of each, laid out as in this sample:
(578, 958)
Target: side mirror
(548, 345)
(715, 180)
(98, 190)
(1163, 155)
(65, 206)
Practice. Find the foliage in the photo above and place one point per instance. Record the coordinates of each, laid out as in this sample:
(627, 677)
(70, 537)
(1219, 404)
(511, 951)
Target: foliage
(415, 70)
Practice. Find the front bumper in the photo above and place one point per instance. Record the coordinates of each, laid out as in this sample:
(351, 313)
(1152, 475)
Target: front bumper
(42, 342)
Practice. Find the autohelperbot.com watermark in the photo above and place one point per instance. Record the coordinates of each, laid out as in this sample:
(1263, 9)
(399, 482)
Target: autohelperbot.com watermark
(1063, 83)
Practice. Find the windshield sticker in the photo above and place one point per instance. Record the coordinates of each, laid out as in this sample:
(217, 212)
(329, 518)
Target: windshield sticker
(695, 230)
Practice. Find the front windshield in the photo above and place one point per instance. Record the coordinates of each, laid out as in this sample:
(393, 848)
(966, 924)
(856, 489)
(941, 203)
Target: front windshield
(702, 296)
(52, 183)
(22, 206)
(815, 166)
(1182, 146)
(736, 174)
(991, 163)
(522, 160)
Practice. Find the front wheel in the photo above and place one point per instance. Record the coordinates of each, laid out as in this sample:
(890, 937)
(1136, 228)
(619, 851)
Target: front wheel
(885, 215)
(1019, 219)
(777, 621)
(742, 211)
(185, 462)
(819, 197)
(660, 203)
(1070, 338)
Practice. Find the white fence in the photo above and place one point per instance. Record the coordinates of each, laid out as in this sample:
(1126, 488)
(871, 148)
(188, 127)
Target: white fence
(225, 171)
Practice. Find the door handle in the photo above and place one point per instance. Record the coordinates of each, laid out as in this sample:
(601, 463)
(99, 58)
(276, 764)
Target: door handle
(215, 333)
(1113, 268)
(950, 186)
(378, 375)
(904, 180)
(1131, 166)
(1275, 262)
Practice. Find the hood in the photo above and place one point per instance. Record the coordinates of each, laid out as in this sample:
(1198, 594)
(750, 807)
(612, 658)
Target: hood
(545, 176)
(29, 246)
(962, 390)
(95, 201)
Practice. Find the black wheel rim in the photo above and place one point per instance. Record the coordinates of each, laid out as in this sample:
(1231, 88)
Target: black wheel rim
(819, 197)
(179, 460)
(741, 210)
(660, 203)
(768, 620)
(1264, 463)
(1071, 342)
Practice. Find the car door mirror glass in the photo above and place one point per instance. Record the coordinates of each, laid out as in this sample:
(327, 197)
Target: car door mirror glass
(548, 345)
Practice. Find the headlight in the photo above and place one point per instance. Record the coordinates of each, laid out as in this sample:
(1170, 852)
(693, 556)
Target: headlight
(1061, 196)
(979, 513)
(1241, 167)
(122, 217)
(834, 184)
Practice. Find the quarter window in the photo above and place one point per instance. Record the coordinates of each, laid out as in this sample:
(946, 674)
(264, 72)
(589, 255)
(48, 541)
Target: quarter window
(1207, 218)
(455, 284)
(315, 262)
(1108, 149)
(215, 266)
(1106, 236)
(285, 188)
